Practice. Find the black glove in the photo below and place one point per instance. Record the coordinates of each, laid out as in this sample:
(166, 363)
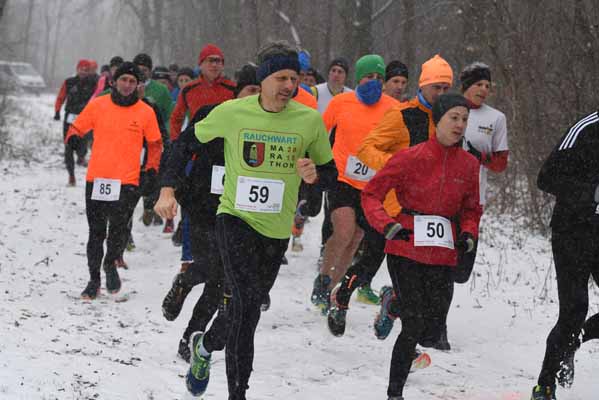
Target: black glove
(474, 151)
(394, 231)
(149, 182)
(465, 243)
(57, 116)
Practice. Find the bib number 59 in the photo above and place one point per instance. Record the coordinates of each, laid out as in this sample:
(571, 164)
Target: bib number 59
(259, 194)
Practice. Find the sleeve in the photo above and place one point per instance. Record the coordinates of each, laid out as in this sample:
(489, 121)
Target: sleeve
(500, 136)
(177, 116)
(213, 126)
(182, 150)
(319, 150)
(471, 210)
(373, 195)
(62, 95)
(154, 141)
(390, 134)
(496, 161)
(560, 173)
(330, 115)
(84, 122)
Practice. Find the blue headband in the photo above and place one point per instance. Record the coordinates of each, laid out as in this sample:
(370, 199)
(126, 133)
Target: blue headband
(275, 64)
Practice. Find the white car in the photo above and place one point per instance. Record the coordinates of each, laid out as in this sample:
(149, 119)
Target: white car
(20, 75)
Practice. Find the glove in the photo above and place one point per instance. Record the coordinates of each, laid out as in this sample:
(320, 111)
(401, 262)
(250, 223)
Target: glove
(465, 243)
(394, 231)
(474, 151)
(149, 182)
(57, 116)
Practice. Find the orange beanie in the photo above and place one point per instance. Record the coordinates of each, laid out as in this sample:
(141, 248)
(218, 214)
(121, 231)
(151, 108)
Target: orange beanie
(435, 70)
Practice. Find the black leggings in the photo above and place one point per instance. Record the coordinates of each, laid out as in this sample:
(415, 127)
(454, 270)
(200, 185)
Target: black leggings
(76, 145)
(113, 215)
(576, 256)
(365, 266)
(425, 298)
(207, 267)
(251, 262)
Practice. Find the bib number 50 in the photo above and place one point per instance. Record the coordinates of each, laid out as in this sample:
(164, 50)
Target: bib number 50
(433, 230)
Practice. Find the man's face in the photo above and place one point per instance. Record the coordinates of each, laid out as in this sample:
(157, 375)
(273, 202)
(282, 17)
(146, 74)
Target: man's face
(309, 80)
(248, 90)
(183, 80)
(146, 72)
(396, 86)
(337, 75)
(212, 67)
(371, 77)
(278, 88)
(478, 92)
(113, 70)
(126, 84)
(82, 72)
(432, 92)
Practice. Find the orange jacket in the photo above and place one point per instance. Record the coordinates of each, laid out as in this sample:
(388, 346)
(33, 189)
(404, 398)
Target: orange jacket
(404, 125)
(119, 133)
(306, 98)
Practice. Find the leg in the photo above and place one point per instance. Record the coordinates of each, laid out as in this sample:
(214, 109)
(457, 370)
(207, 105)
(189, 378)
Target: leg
(118, 230)
(69, 148)
(97, 221)
(438, 285)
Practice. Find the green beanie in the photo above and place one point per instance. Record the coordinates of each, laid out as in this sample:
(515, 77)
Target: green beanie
(368, 64)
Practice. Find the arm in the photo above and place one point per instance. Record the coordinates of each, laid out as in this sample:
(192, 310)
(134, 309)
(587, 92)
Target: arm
(153, 138)
(390, 134)
(83, 123)
(178, 116)
(182, 151)
(62, 95)
(471, 210)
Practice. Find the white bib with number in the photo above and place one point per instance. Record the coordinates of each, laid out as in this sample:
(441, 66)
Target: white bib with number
(106, 189)
(217, 183)
(356, 169)
(71, 118)
(259, 195)
(432, 230)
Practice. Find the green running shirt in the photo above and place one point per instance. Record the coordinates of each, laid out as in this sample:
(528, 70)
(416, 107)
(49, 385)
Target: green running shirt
(261, 150)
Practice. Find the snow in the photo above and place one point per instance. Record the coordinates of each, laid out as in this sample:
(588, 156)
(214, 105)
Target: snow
(55, 346)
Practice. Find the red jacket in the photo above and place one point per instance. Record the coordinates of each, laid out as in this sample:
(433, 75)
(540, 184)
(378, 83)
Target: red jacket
(196, 95)
(429, 179)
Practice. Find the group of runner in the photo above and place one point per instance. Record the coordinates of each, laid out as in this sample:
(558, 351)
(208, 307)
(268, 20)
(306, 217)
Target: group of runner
(248, 160)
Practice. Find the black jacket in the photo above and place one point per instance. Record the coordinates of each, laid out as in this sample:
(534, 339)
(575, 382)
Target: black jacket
(571, 174)
(79, 91)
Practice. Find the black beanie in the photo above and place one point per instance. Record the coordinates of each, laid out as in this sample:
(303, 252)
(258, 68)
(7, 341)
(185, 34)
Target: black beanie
(116, 61)
(340, 62)
(473, 73)
(127, 68)
(245, 76)
(143, 59)
(445, 103)
(161, 73)
(396, 68)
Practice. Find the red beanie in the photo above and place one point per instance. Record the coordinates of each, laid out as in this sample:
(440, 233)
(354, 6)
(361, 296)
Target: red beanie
(83, 63)
(210, 50)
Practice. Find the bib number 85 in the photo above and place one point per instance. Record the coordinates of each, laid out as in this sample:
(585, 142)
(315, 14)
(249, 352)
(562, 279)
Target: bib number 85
(105, 188)
(259, 193)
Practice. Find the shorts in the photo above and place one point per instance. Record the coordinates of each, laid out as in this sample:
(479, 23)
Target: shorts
(344, 195)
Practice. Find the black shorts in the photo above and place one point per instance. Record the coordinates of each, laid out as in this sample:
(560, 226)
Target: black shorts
(344, 195)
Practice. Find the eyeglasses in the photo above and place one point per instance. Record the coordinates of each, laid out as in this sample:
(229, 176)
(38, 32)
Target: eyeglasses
(214, 60)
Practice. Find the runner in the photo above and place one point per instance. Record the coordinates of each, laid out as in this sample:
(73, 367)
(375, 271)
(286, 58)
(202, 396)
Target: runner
(405, 125)
(437, 184)
(120, 123)
(198, 194)
(350, 117)
(76, 91)
(396, 80)
(265, 140)
(571, 174)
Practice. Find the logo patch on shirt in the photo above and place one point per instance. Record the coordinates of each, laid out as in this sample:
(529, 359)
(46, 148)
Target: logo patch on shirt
(271, 152)
(253, 153)
(485, 130)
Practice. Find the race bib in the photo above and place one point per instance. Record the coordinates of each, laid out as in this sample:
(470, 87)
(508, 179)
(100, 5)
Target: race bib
(431, 230)
(259, 195)
(106, 189)
(71, 118)
(356, 169)
(217, 183)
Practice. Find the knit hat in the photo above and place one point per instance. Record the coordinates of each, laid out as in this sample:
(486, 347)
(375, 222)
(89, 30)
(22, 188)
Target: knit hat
(116, 61)
(83, 63)
(368, 64)
(143, 59)
(340, 62)
(104, 68)
(210, 50)
(435, 70)
(127, 68)
(396, 68)
(477, 71)
(445, 103)
(245, 76)
(277, 63)
(186, 71)
(161, 73)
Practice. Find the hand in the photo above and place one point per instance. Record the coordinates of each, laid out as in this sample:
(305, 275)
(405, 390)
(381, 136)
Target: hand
(465, 243)
(306, 169)
(166, 206)
(474, 151)
(394, 231)
(57, 116)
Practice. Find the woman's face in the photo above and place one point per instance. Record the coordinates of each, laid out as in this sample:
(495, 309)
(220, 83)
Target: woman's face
(452, 126)
(478, 92)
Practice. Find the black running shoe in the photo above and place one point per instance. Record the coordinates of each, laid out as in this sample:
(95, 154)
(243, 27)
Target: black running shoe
(174, 299)
(91, 291)
(184, 351)
(113, 282)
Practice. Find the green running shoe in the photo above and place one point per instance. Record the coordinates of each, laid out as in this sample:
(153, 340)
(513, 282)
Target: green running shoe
(368, 296)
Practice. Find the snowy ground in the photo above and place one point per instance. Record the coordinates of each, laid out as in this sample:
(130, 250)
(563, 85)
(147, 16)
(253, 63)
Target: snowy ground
(54, 346)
